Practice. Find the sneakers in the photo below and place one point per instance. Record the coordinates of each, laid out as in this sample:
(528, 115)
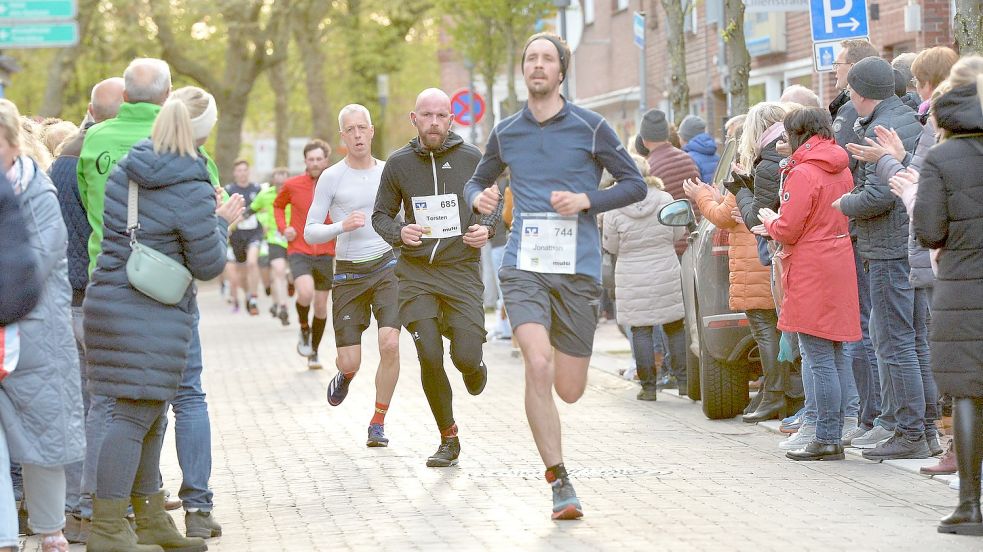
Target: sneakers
(252, 307)
(304, 348)
(273, 311)
(667, 382)
(201, 524)
(947, 463)
(933, 443)
(899, 447)
(284, 317)
(566, 505)
(870, 439)
(447, 453)
(338, 389)
(475, 381)
(851, 433)
(816, 451)
(313, 363)
(377, 437)
(647, 394)
(800, 439)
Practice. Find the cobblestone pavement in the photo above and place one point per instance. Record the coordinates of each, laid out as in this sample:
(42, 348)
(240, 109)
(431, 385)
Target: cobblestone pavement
(292, 473)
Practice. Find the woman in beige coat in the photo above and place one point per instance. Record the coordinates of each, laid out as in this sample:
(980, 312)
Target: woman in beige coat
(647, 282)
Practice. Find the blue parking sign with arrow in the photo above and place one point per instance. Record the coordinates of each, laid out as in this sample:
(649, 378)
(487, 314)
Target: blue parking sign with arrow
(838, 19)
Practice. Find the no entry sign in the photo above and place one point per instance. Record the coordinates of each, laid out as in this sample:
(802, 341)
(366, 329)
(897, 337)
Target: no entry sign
(467, 110)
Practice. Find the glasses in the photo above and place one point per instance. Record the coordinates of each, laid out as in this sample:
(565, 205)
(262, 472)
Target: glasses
(351, 129)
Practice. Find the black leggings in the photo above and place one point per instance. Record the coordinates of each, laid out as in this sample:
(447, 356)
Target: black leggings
(465, 354)
(129, 460)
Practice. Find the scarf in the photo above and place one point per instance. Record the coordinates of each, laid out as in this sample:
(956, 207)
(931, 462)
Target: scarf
(769, 136)
(21, 174)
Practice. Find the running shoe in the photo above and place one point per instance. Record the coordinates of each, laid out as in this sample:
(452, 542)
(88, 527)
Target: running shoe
(338, 389)
(447, 453)
(273, 311)
(235, 306)
(252, 307)
(475, 381)
(304, 348)
(313, 363)
(284, 316)
(566, 505)
(377, 437)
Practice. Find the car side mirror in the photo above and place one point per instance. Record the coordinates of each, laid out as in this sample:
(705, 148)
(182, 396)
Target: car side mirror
(677, 213)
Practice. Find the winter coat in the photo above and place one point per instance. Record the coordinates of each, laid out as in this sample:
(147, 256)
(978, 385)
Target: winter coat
(64, 175)
(136, 347)
(647, 280)
(818, 267)
(672, 166)
(41, 401)
(948, 214)
(703, 150)
(880, 218)
(750, 281)
(767, 173)
(922, 275)
(20, 284)
(844, 117)
(415, 171)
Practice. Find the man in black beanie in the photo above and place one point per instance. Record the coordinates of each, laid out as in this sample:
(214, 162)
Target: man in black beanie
(882, 242)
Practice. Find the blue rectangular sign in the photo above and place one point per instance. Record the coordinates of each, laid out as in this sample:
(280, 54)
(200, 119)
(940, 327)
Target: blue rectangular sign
(34, 10)
(638, 26)
(838, 19)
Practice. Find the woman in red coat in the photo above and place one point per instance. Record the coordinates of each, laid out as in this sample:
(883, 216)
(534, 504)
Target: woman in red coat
(818, 276)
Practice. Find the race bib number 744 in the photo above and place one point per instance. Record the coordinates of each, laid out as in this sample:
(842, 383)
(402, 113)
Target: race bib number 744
(548, 243)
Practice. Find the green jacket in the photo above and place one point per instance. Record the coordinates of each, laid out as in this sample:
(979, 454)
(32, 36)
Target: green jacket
(263, 207)
(105, 144)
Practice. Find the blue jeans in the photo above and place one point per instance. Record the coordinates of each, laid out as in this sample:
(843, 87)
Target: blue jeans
(193, 431)
(864, 361)
(922, 319)
(893, 331)
(8, 510)
(829, 371)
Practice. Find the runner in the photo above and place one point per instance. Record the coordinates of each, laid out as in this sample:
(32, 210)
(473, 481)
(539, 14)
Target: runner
(275, 242)
(312, 265)
(245, 239)
(440, 288)
(365, 276)
(551, 272)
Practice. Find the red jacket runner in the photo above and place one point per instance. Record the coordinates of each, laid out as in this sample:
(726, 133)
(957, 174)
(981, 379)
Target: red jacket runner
(298, 192)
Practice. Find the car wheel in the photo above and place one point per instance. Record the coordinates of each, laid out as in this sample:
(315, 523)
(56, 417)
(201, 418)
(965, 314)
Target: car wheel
(724, 386)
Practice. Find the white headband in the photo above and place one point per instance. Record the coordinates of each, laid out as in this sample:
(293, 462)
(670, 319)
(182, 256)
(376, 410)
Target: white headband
(201, 126)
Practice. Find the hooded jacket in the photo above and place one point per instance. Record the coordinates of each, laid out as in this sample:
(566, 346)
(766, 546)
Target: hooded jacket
(672, 166)
(64, 175)
(948, 214)
(417, 171)
(818, 268)
(880, 218)
(703, 150)
(136, 347)
(20, 286)
(767, 179)
(647, 281)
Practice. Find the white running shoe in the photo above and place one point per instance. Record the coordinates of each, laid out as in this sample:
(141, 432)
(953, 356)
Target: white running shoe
(871, 439)
(800, 439)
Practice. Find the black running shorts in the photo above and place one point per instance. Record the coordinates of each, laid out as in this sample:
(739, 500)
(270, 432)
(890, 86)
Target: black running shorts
(319, 267)
(361, 290)
(450, 293)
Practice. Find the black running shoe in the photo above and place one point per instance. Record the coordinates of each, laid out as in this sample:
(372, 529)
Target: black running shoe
(284, 316)
(475, 381)
(338, 389)
(447, 453)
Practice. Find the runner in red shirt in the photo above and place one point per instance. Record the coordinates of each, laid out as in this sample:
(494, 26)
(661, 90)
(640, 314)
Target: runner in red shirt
(311, 265)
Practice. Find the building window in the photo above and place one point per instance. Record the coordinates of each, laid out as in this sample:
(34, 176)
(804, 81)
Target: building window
(588, 12)
(621, 5)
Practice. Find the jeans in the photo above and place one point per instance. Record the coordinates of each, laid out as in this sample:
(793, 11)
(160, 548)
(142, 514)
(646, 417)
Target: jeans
(8, 510)
(893, 307)
(646, 340)
(44, 495)
(81, 477)
(129, 462)
(922, 319)
(864, 360)
(73, 472)
(828, 370)
(193, 431)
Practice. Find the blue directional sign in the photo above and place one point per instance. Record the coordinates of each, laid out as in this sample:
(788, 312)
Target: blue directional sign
(838, 19)
(638, 28)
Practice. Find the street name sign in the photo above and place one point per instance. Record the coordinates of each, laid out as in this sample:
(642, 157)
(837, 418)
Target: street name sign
(638, 28)
(37, 10)
(39, 35)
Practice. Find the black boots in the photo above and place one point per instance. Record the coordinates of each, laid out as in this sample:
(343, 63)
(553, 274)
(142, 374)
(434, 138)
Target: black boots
(772, 403)
(650, 391)
(967, 418)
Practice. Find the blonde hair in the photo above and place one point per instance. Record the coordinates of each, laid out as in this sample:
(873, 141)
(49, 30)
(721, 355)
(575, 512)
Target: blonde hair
(966, 71)
(9, 122)
(932, 66)
(56, 133)
(31, 143)
(172, 132)
(759, 119)
(735, 124)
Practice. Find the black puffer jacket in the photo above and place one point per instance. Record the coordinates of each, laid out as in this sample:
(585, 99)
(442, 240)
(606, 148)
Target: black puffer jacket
(767, 180)
(844, 116)
(880, 217)
(20, 283)
(136, 347)
(949, 215)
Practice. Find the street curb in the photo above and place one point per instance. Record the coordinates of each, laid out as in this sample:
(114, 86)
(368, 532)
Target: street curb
(911, 466)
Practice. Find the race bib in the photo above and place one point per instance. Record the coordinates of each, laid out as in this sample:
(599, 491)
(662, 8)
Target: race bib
(548, 243)
(438, 215)
(248, 223)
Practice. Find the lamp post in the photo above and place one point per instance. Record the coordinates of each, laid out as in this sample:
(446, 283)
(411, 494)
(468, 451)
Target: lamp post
(382, 85)
(561, 10)
(469, 65)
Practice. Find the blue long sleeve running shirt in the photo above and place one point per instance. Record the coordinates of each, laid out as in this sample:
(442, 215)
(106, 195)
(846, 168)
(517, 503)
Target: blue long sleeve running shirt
(568, 152)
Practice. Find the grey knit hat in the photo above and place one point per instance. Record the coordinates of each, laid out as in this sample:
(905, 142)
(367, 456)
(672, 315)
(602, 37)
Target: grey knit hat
(691, 126)
(872, 78)
(654, 127)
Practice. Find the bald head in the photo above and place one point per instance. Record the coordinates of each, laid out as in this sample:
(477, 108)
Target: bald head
(432, 98)
(432, 117)
(105, 99)
(800, 95)
(147, 80)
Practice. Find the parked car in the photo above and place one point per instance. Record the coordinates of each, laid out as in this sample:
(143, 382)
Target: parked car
(721, 354)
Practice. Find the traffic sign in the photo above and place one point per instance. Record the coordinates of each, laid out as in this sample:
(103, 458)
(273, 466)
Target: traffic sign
(34, 10)
(464, 107)
(638, 26)
(838, 19)
(39, 35)
(824, 54)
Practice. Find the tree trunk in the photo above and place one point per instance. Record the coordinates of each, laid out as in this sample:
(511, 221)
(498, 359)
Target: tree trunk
(738, 58)
(228, 138)
(676, 44)
(307, 35)
(281, 112)
(489, 117)
(512, 101)
(63, 66)
(969, 27)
